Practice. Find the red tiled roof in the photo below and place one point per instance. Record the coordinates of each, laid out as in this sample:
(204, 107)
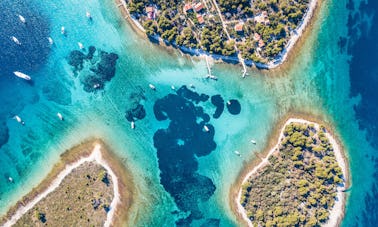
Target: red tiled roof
(200, 19)
(239, 27)
(198, 7)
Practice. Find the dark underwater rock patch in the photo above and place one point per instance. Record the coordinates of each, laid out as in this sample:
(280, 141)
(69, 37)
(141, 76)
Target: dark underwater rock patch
(218, 102)
(102, 67)
(234, 107)
(178, 161)
(136, 110)
(136, 113)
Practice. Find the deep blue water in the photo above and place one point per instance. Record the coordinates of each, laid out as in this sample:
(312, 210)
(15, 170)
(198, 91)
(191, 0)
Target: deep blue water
(363, 47)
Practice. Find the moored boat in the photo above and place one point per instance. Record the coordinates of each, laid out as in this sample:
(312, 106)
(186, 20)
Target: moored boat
(152, 87)
(22, 75)
(60, 116)
(22, 19)
(16, 40)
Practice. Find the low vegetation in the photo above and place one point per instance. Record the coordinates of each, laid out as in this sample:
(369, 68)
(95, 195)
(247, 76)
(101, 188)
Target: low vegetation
(82, 199)
(298, 186)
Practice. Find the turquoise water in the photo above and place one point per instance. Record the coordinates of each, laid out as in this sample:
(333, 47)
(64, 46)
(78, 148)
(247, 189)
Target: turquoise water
(318, 83)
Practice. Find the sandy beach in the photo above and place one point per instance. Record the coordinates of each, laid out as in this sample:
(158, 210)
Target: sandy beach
(122, 198)
(295, 36)
(337, 212)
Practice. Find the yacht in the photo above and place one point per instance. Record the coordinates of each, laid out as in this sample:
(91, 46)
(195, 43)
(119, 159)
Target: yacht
(206, 128)
(51, 41)
(173, 87)
(22, 19)
(16, 40)
(253, 141)
(152, 87)
(228, 102)
(63, 30)
(22, 75)
(237, 153)
(18, 119)
(132, 124)
(60, 116)
(88, 15)
(96, 86)
(10, 179)
(81, 46)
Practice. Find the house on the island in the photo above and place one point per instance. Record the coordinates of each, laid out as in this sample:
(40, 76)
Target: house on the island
(239, 28)
(262, 18)
(200, 19)
(187, 8)
(198, 7)
(151, 12)
(261, 43)
(256, 36)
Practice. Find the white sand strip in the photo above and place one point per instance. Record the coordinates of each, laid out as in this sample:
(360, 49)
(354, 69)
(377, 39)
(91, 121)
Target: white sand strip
(95, 156)
(337, 211)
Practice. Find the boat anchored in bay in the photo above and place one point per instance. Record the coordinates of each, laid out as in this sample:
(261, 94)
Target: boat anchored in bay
(22, 19)
(15, 40)
(22, 75)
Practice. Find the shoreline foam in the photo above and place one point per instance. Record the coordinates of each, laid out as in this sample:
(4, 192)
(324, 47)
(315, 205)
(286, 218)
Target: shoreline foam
(98, 154)
(337, 211)
(283, 56)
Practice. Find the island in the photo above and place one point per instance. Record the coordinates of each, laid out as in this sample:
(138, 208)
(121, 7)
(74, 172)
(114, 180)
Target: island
(260, 32)
(299, 183)
(88, 187)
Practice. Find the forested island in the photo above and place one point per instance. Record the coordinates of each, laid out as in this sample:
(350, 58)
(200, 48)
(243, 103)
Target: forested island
(250, 31)
(299, 182)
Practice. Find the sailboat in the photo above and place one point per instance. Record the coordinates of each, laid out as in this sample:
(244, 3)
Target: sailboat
(18, 119)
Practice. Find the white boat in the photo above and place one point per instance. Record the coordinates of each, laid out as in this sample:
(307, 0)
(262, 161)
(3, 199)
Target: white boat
(16, 40)
(228, 102)
(237, 153)
(152, 87)
(63, 30)
(18, 119)
(253, 141)
(96, 86)
(211, 77)
(60, 116)
(51, 41)
(206, 128)
(22, 75)
(173, 87)
(81, 46)
(22, 19)
(132, 124)
(88, 15)
(10, 179)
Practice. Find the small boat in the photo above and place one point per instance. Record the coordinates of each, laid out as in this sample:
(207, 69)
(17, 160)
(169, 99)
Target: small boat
(63, 30)
(132, 125)
(10, 179)
(18, 119)
(60, 116)
(88, 15)
(253, 141)
(22, 19)
(173, 87)
(22, 75)
(51, 41)
(152, 87)
(229, 102)
(16, 40)
(81, 46)
(96, 86)
(209, 76)
(206, 128)
(237, 153)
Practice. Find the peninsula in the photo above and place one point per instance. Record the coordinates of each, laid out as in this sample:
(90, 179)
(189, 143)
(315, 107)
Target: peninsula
(88, 187)
(299, 183)
(260, 32)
